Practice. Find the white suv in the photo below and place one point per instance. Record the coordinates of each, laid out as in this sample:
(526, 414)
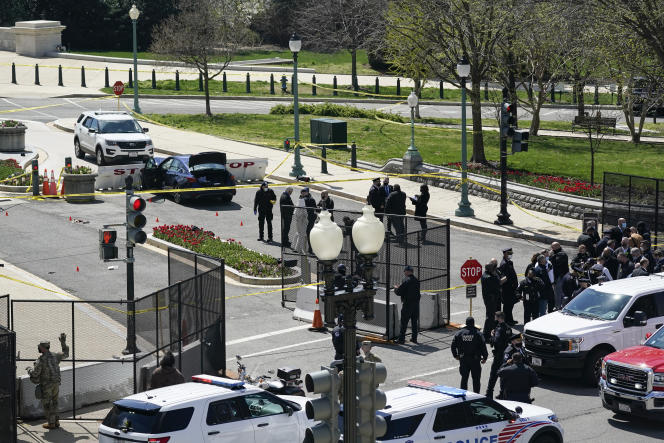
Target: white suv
(209, 409)
(426, 412)
(111, 135)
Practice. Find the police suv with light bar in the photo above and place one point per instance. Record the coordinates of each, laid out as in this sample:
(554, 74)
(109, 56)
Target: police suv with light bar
(208, 409)
(426, 412)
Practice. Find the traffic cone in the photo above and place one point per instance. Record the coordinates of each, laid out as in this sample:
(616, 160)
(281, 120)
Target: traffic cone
(70, 218)
(241, 223)
(216, 214)
(45, 186)
(53, 185)
(317, 323)
(157, 219)
(76, 268)
(6, 213)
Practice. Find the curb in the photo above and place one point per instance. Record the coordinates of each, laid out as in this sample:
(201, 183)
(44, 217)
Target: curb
(230, 272)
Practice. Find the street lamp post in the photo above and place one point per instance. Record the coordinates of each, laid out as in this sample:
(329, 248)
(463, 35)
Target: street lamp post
(295, 44)
(133, 14)
(326, 241)
(464, 209)
(412, 160)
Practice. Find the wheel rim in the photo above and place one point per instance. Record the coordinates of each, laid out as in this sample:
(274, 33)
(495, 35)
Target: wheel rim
(100, 157)
(77, 148)
(597, 367)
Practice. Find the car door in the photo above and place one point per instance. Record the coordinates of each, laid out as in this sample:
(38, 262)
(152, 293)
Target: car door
(151, 175)
(451, 423)
(227, 421)
(164, 167)
(84, 137)
(488, 418)
(175, 173)
(272, 418)
(635, 334)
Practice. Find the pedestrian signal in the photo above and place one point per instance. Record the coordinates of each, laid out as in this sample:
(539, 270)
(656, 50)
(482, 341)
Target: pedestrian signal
(107, 248)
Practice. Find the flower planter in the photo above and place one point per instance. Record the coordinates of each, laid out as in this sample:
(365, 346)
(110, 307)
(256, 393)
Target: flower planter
(12, 139)
(79, 184)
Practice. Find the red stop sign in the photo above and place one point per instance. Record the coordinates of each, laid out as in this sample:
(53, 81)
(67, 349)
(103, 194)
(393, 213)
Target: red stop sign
(118, 88)
(471, 271)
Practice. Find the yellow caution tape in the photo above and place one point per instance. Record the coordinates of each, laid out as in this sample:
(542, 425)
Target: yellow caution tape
(14, 177)
(350, 91)
(275, 290)
(278, 166)
(193, 70)
(53, 105)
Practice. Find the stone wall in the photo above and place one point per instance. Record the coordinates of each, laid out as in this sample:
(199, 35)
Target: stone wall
(7, 40)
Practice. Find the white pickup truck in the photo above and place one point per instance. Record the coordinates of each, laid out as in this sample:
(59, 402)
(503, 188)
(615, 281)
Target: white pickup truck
(602, 319)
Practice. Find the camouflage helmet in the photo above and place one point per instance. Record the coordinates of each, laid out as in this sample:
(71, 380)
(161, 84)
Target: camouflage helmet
(45, 344)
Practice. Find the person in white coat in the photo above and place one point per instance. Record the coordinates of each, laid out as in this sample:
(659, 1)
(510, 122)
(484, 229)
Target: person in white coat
(301, 244)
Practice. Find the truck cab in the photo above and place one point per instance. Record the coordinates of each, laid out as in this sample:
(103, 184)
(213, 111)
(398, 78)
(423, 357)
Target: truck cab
(604, 318)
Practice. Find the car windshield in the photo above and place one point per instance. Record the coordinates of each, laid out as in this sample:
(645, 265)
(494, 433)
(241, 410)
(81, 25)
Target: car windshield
(203, 166)
(592, 303)
(657, 339)
(118, 126)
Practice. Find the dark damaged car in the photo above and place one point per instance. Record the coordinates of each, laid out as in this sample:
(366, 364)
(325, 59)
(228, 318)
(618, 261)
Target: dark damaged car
(204, 170)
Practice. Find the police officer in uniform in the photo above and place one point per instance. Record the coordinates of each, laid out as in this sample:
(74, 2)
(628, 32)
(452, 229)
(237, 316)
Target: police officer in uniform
(45, 373)
(515, 347)
(409, 291)
(499, 340)
(517, 379)
(508, 288)
(338, 338)
(469, 347)
(263, 202)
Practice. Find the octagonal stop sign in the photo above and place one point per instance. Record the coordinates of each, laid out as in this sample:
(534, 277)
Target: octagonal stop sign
(118, 88)
(471, 271)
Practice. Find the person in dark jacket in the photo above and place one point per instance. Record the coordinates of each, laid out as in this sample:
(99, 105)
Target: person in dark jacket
(658, 255)
(326, 203)
(570, 284)
(542, 272)
(640, 269)
(338, 338)
(499, 340)
(560, 263)
(421, 203)
(166, 374)
(642, 230)
(515, 347)
(587, 238)
(409, 291)
(610, 262)
(517, 379)
(395, 207)
(469, 347)
(386, 189)
(647, 253)
(604, 241)
(508, 289)
(626, 266)
(286, 208)
(529, 291)
(376, 198)
(263, 202)
(491, 296)
(310, 204)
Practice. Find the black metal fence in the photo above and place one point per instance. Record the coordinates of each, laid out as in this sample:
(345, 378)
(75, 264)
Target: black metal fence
(186, 318)
(635, 199)
(7, 385)
(424, 247)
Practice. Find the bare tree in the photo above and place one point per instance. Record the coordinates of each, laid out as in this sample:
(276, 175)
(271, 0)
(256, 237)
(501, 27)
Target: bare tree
(331, 25)
(205, 34)
(595, 129)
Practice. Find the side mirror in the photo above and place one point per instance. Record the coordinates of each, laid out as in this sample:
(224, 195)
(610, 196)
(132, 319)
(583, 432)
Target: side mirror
(628, 321)
(640, 318)
(518, 410)
(146, 129)
(289, 409)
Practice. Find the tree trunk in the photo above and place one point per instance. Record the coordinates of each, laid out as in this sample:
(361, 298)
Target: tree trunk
(592, 155)
(581, 106)
(478, 139)
(206, 87)
(537, 106)
(353, 69)
(418, 91)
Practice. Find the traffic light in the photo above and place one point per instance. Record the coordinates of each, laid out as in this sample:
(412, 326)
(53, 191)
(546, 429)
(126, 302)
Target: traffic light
(370, 400)
(135, 220)
(507, 119)
(326, 408)
(287, 144)
(520, 140)
(67, 164)
(107, 248)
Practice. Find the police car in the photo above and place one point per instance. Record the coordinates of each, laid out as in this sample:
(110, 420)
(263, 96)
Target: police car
(426, 412)
(208, 409)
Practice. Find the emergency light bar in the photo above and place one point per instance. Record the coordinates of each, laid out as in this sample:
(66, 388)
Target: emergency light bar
(218, 381)
(447, 390)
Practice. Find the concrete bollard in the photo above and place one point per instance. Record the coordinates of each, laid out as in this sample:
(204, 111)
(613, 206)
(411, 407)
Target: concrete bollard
(130, 83)
(323, 162)
(154, 80)
(60, 75)
(272, 84)
(224, 85)
(13, 73)
(36, 74)
(353, 155)
(398, 86)
(313, 85)
(177, 80)
(334, 86)
(106, 81)
(83, 77)
(248, 85)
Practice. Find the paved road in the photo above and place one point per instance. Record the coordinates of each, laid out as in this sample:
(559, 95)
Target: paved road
(54, 108)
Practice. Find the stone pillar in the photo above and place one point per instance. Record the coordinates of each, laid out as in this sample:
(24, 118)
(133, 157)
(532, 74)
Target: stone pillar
(36, 38)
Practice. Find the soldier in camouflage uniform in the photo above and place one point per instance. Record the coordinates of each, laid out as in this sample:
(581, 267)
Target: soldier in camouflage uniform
(46, 374)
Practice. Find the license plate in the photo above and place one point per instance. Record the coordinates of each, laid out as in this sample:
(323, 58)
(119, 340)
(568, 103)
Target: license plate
(536, 361)
(133, 154)
(623, 407)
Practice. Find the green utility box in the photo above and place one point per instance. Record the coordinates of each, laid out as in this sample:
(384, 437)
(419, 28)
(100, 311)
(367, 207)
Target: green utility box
(327, 131)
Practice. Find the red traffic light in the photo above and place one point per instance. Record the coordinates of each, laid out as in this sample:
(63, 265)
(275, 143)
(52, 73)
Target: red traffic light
(137, 203)
(107, 236)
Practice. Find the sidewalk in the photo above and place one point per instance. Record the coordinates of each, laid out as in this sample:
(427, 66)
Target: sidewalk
(355, 185)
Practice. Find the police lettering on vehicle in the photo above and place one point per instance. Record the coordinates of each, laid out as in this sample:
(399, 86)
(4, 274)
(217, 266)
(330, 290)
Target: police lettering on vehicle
(485, 439)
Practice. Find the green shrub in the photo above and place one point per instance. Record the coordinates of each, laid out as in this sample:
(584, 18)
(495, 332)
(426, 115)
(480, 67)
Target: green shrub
(334, 110)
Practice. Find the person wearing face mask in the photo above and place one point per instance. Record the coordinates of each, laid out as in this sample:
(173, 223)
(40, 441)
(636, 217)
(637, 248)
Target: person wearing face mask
(515, 346)
(491, 296)
(508, 289)
(45, 373)
(263, 202)
(622, 226)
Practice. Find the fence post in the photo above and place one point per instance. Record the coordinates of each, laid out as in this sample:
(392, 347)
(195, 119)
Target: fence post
(377, 87)
(131, 79)
(248, 88)
(73, 362)
(388, 286)
(323, 162)
(200, 81)
(334, 86)
(271, 84)
(224, 85)
(106, 82)
(83, 85)
(60, 75)
(154, 80)
(353, 155)
(36, 74)
(656, 207)
(486, 90)
(180, 326)
(441, 90)
(177, 80)
(35, 178)
(13, 73)
(398, 86)
(313, 85)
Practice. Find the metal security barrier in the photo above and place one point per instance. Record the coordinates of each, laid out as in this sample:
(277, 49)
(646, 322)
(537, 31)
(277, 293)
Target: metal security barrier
(7, 385)
(429, 259)
(635, 199)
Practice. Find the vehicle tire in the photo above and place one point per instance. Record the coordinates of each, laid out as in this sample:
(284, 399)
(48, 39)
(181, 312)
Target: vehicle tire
(177, 197)
(545, 438)
(226, 198)
(593, 367)
(78, 152)
(101, 161)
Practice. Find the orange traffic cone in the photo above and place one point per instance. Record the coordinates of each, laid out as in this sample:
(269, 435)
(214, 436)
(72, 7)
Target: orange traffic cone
(76, 268)
(216, 214)
(317, 323)
(53, 188)
(157, 219)
(241, 223)
(45, 186)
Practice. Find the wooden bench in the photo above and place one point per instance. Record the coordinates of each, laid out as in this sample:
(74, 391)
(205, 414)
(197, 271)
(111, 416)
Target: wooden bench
(584, 121)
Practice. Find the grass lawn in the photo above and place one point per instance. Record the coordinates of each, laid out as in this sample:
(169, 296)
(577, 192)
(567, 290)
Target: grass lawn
(378, 141)
(328, 63)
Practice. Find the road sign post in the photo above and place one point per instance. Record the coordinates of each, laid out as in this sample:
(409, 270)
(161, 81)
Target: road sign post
(118, 89)
(471, 272)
